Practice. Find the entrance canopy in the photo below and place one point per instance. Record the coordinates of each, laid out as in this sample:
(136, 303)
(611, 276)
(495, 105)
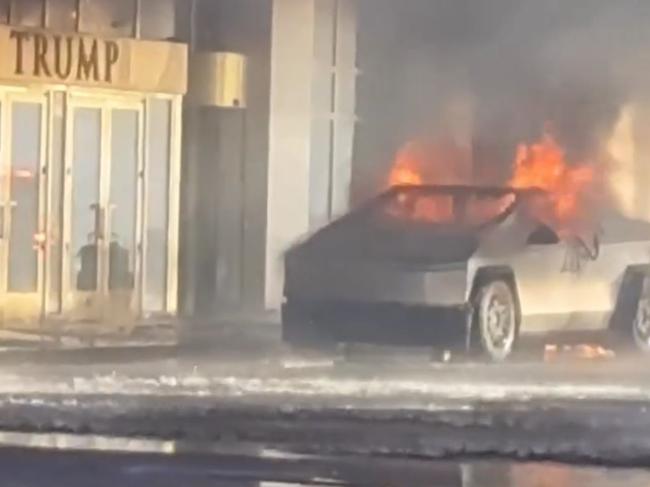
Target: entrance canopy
(43, 57)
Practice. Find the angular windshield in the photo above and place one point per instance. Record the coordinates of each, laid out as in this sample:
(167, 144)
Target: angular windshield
(457, 207)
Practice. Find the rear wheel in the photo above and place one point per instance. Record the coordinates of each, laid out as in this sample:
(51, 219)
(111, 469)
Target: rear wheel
(496, 321)
(641, 323)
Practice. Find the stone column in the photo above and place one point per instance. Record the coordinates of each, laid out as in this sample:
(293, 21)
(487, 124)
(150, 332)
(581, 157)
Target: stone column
(313, 45)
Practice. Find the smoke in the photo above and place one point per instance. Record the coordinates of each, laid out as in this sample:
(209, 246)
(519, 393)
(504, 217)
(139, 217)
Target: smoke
(523, 63)
(571, 63)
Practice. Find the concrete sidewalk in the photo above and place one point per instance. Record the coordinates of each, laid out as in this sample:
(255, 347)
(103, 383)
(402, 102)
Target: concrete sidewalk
(234, 331)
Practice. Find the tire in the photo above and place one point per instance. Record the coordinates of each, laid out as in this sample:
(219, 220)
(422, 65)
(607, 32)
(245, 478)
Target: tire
(495, 328)
(641, 321)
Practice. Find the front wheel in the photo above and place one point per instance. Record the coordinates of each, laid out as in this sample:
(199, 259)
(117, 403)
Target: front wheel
(496, 321)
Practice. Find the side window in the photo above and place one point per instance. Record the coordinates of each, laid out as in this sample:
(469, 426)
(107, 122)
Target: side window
(543, 235)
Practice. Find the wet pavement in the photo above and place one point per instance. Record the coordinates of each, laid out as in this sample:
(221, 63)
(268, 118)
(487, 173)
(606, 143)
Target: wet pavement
(71, 460)
(251, 389)
(259, 366)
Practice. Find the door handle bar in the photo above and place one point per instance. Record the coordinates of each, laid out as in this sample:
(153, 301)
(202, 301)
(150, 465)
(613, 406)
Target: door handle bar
(100, 220)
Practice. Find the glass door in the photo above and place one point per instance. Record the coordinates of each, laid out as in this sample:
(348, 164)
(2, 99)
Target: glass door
(123, 214)
(86, 235)
(22, 207)
(104, 177)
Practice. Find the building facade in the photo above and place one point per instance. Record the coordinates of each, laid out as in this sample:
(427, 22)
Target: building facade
(261, 173)
(159, 156)
(90, 142)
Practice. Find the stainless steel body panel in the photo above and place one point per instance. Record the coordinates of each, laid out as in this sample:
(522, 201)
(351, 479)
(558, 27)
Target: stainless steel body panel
(559, 286)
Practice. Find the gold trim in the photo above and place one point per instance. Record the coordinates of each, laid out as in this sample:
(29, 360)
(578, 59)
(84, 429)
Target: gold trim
(36, 56)
(173, 220)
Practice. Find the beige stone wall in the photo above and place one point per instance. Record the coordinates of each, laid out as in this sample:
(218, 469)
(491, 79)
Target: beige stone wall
(308, 173)
(292, 50)
(622, 151)
(629, 170)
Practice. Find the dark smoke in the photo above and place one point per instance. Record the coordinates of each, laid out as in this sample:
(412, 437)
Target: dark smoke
(573, 63)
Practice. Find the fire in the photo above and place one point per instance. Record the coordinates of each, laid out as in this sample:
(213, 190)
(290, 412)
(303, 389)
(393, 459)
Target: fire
(543, 165)
(401, 176)
(428, 208)
(407, 168)
(553, 352)
(430, 161)
(572, 188)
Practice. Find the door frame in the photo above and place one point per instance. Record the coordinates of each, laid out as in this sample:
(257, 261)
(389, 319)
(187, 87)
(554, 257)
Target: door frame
(106, 105)
(172, 233)
(34, 301)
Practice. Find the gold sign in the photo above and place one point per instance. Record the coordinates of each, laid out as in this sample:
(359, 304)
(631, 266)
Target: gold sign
(64, 57)
(37, 56)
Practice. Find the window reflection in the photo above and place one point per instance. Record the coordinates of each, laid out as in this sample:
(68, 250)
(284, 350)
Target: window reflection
(4, 11)
(114, 18)
(62, 15)
(123, 207)
(157, 19)
(25, 162)
(85, 195)
(27, 12)
(157, 205)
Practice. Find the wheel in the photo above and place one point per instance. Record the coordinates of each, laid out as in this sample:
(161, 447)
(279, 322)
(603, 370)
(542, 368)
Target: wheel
(496, 321)
(641, 322)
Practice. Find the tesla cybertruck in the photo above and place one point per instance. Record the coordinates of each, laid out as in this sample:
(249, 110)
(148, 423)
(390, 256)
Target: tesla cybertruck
(469, 268)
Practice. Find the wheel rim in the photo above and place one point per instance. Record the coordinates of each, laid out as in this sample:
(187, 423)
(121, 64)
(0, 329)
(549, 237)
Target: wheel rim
(642, 318)
(498, 321)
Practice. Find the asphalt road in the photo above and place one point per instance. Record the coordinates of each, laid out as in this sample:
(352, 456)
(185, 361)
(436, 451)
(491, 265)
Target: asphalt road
(246, 387)
(100, 465)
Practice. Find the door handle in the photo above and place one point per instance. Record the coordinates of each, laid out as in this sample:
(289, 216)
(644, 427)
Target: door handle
(3, 207)
(109, 219)
(99, 220)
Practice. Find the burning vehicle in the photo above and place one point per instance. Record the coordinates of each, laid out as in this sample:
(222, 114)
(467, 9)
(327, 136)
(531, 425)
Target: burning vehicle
(477, 268)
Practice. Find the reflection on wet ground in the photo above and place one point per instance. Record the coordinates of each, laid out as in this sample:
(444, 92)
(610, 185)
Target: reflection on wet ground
(110, 385)
(408, 377)
(550, 475)
(532, 475)
(78, 460)
(254, 363)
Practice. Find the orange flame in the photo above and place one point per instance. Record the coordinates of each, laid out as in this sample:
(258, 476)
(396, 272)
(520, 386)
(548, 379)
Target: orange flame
(427, 161)
(543, 165)
(410, 168)
(432, 208)
(554, 352)
(400, 176)
(407, 168)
